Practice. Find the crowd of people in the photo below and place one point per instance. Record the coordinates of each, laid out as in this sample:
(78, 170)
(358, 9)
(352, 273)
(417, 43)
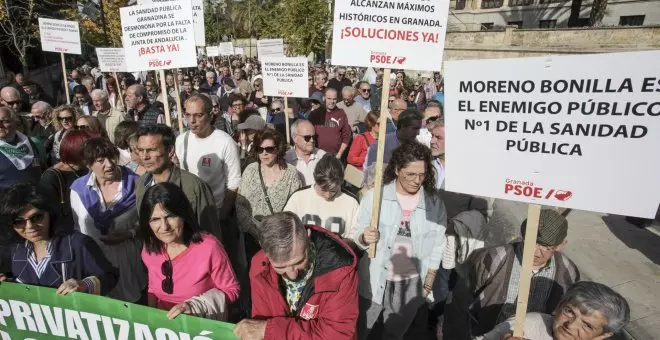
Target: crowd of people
(226, 220)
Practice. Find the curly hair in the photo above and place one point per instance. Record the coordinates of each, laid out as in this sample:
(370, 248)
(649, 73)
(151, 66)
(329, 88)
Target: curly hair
(76, 111)
(406, 154)
(277, 139)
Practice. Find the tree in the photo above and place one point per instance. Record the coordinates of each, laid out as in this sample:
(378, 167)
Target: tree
(19, 27)
(304, 25)
(597, 13)
(254, 18)
(99, 26)
(216, 22)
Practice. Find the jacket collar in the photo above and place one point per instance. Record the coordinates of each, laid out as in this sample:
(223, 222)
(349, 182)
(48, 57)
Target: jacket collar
(389, 194)
(61, 250)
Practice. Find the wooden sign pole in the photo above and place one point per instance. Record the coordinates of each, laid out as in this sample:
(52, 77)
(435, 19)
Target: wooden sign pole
(166, 104)
(531, 232)
(66, 85)
(179, 108)
(382, 131)
(121, 97)
(286, 119)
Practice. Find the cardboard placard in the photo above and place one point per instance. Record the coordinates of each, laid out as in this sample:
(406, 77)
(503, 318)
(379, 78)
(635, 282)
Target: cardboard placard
(212, 51)
(226, 48)
(111, 59)
(198, 18)
(59, 36)
(557, 130)
(392, 34)
(285, 77)
(239, 51)
(270, 48)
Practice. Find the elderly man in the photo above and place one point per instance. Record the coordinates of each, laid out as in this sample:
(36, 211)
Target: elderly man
(332, 127)
(11, 98)
(210, 86)
(354, 112)
(431, 113)
(486, 295)
(88, 83)
(140, 109)
(364, 95)
(155, 146)
(19, 160)
(320, 78)
(303, 283)
(108, 116)
(43, 124)
(339, 82)
(304, 156)
(588, 311)
(326, 203)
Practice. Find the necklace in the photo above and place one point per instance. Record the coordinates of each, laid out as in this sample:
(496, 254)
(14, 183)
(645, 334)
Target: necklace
(72, 169)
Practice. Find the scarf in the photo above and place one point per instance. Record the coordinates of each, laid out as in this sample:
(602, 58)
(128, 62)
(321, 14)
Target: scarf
(21, 154)
(92, 202)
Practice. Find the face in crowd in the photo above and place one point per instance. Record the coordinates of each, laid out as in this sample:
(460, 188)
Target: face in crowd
(365, 91)
(132, 99)
(199, 121)
(305, 137)
(295, 268)
(267, 152)
(349, 96)
(330, 99)
(438, 141)
(153, 154)
(167, 227)
(411, 176)
(65, 118)
(7, 126)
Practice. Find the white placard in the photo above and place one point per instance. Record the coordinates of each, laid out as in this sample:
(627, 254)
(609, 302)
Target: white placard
(226, 48)
(198, 18)
(270, 48)
(557, 130)
(111, 59)
(212, 51)
(285, 76)
(59, 36)
(239, 51)
(392, 34)
(158, 36)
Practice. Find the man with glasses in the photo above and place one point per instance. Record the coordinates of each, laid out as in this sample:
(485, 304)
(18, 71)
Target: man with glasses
(339, 82)
(325, 203)
(304, 156)
(432, 113)
(155, 146)
(489, 296)
(108, 116)
(354, 112)
(139, 107)
(43, 128)
(332, 127)
(364, 95)
(19, 160)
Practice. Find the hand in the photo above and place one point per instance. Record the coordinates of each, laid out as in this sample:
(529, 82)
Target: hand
(3, 277)
(70, 286)
(183, 307)
(249, 329)
(370, 236)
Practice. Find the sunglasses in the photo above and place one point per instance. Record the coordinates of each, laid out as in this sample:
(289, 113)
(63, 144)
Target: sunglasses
(276, 109)
(20, 223)
(5, 121)
(81, 127)
(65, 119)
(432, 119)
(268, 149)
(309, 137)
(365, 90)
(341, 74)
(168, 284)
(12, 103)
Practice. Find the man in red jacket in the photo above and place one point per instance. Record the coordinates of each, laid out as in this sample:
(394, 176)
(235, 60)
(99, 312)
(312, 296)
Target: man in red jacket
(304, 284)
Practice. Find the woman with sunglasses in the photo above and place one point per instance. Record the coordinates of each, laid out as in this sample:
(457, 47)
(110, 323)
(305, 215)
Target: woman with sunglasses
(410, 242)
(189, 271)
(103, 205)
(91, 124)
(64, 119)
(42, 256)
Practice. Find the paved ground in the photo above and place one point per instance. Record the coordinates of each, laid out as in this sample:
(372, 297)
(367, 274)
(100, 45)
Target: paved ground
(609, 250)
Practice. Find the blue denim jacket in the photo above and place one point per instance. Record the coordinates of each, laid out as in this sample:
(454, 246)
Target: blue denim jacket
(427, 227)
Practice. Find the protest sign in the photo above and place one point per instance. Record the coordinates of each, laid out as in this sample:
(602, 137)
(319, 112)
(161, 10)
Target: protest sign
(270, 48)
(393, 34)
(111, 59)
(226, 48)
(212, 51)
(198, 18)
(285, 77)
(32, 312)
(239, 51)
(59, 36)
(158, 36)
(557, 130)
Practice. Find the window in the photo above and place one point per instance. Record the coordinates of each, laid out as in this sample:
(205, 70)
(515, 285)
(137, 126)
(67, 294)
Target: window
(485, 26)
(518, 24)
(460, 4)
(491, 4)
(547, 23)
(513, 3)
(631, 20)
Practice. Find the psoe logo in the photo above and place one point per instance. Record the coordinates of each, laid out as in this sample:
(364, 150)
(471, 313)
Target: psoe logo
(383, 58)
(529, 189)
(284, 93)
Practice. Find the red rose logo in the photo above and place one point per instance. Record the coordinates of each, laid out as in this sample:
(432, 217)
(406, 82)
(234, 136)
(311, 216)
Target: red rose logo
(401, 60)
(563, 195)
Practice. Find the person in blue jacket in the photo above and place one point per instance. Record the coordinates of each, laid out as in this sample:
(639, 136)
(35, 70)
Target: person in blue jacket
(42, 256)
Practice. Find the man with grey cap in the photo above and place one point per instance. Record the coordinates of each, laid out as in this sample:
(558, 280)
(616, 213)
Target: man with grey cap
(246, 132)
(487, 289)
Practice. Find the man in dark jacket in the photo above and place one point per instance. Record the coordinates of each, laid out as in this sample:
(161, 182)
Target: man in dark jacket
(304, 284)
(139, 108)
(332, 126)
(339, 81)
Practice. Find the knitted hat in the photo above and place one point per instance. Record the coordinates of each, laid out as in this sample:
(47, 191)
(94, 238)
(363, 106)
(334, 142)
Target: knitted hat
(553, 228)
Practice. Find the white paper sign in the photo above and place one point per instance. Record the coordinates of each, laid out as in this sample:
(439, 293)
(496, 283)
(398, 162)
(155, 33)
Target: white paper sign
(285, 76)
(393, 34)
(212, 51)
(111, 59)
(59, 36)
(239, 51)
(270, 48)
(226, 48)
(158, 36)
(557, 131)
(198, 17)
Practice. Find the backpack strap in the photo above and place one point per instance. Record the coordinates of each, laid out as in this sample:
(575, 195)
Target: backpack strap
(185, 150)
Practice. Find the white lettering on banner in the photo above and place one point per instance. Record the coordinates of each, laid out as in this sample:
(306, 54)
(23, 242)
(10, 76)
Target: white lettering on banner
(270, 48)
(285, 76)
(59, 36)
(158, 36)
(393, 34)
(558, 131)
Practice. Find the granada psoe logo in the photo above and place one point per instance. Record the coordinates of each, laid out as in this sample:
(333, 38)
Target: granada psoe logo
(528, 189)
(384, 58)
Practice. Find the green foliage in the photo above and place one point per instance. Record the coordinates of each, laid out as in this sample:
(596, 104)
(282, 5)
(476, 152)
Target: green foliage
(216, 23)
(304, 25)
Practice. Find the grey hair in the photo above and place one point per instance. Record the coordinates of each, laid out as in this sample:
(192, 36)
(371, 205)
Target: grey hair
(277, 101)
(141, 91)
(204, 99)
(101, 94)
(278, 233)
(348, 88)
(592, 296)
(294, 126)
(12, 113)
(210, 74)
(434, 124)
(329, 172)
(43, 106)
(87, 79)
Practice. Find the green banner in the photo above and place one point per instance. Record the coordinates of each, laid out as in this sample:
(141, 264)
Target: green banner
(32, 312)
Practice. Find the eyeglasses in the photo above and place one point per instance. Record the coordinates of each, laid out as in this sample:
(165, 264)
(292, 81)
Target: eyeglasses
(81, 127)
(12, 103)
(432, 119)
(545, 249)
(409, 176)
(308, 138)
(268, 149)
(168, 284)
(277, 109)
(341, 74)
(238, 105)
(21, 223)
(365, 90)
(65, 119)
(5, 121)
(310, 79)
